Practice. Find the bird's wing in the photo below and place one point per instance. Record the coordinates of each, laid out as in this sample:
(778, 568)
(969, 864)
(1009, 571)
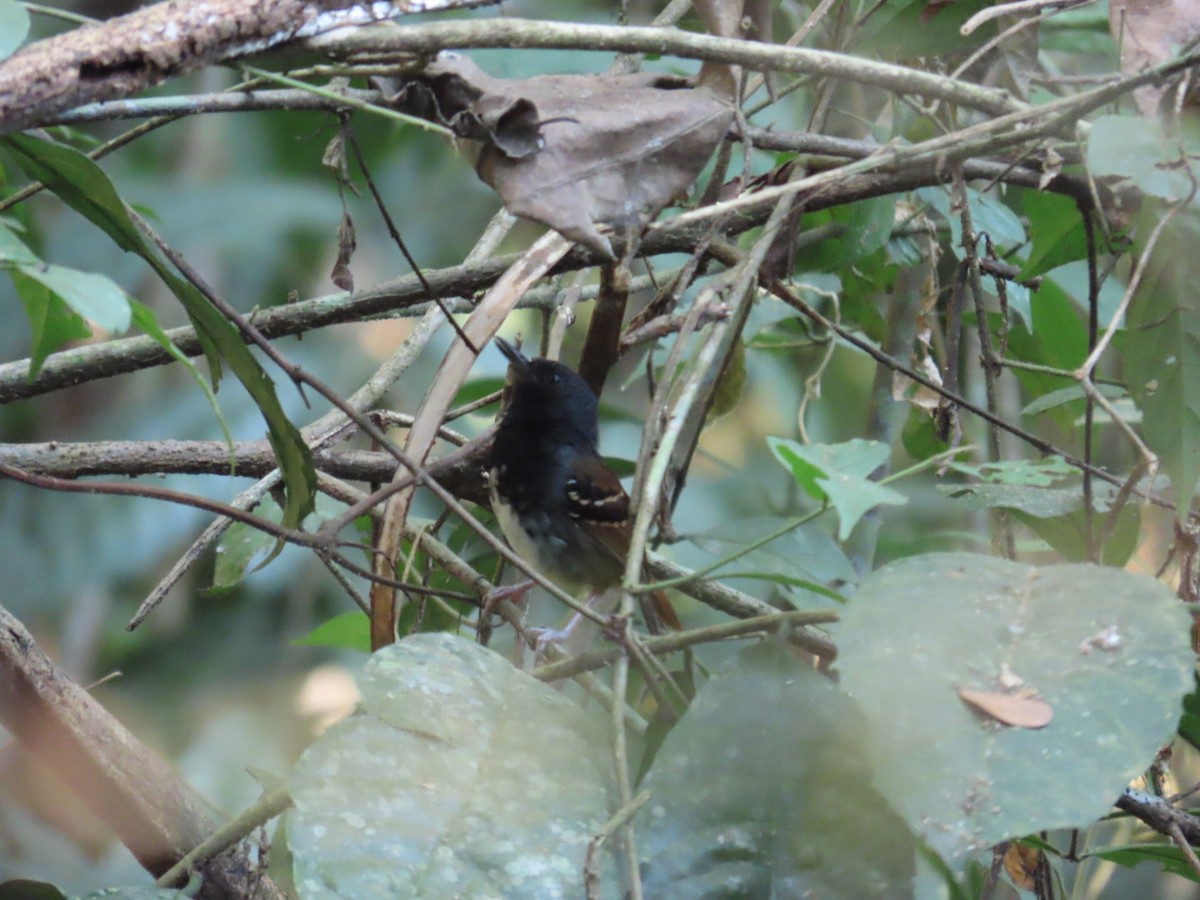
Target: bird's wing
(597, 501)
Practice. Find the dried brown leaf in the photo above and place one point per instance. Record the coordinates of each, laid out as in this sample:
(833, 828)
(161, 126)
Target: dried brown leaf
(1021, 863)
(721, 18)
(347, 243)
(576, 151)
(1149, 32)
(334, 156)
(1010, 709)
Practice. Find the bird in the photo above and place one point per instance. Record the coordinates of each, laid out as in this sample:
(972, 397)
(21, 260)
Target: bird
(558, 503)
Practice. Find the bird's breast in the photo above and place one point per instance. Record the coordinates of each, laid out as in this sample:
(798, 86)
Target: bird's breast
(531, 535)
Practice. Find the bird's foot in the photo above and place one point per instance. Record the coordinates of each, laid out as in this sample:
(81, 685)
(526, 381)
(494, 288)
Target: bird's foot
(514, 592)
(544, 638)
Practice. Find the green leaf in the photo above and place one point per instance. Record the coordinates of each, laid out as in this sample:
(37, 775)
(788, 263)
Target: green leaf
(51, 321)
(1038, 472)
(244, 549)
(764, 790)
(1057, 229)
(904, 29)
(143, 318)
(1110, 652)
(1137, 149)
(953, 890)
(730, 387)
(1162, 352)
(808, 475)
(867, 224)
(242, 545)
(1189, 725)
(90, 294)
(349, 631)
(1167, 856)
(22, 888)
(806, 557)
(477, 389)
(83, 186)
(14, 26)
(1058, 340)
(1020, 302)
(1071, 394)
(13, 250)
(1067, 534)
(462, 777)
(992, 216)
(838, 473)
(1039, 502)
(988, 215)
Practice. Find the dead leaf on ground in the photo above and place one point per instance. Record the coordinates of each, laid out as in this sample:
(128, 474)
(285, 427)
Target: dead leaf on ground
(574, 151)
(1017, 710)
(1150, 32)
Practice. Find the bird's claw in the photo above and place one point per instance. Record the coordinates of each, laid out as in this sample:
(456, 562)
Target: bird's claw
(545, 637)
(514, 592)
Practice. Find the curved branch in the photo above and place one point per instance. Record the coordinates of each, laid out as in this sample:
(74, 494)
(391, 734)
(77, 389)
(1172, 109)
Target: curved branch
(526, 34)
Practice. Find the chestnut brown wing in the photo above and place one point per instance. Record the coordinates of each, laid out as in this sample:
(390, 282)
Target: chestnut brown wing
(598, 502)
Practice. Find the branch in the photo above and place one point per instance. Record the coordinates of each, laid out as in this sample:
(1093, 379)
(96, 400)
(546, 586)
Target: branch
(290, 99)
(525, 34)
(405, 296)
(252, 459)
(137, 793)
(769, 623)
(133, 52)
(1159, 814)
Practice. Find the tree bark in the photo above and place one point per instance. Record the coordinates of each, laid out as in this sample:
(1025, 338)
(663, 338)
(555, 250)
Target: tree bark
(130, 53)
(156, 815)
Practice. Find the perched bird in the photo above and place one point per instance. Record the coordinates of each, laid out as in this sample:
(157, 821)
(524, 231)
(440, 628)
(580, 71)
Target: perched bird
(559, 505)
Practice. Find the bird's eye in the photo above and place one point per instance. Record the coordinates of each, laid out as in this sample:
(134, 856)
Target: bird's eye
(555, 377)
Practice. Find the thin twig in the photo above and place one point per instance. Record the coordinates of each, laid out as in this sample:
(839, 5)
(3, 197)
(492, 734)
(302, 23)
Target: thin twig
(670, 643)
(1019, 6)
(591, 877)
(228, 835)
(988, 364)
(620, 684)
(1181, 842)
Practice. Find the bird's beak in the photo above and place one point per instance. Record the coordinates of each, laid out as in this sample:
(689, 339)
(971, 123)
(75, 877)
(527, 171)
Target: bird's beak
(517, 360)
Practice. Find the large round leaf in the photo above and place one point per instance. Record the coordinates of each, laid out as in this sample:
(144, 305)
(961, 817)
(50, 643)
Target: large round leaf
(463, 777)
(1106, 649)
(763, 790)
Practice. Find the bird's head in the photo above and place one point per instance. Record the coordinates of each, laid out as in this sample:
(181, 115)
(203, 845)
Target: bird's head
(542, 393)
